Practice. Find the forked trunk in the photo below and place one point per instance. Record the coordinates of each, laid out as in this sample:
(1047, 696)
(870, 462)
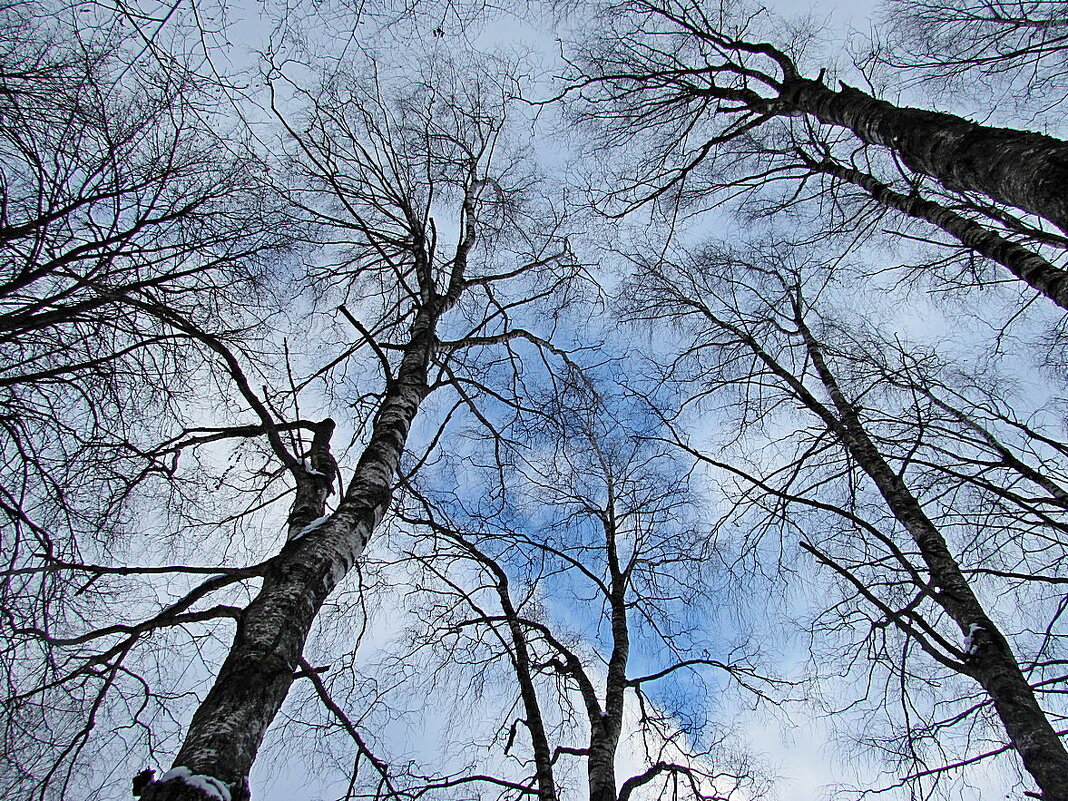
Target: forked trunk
(229, 725)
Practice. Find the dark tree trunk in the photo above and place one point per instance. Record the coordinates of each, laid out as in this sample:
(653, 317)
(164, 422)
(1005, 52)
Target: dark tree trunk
(604, 734)
(601, 765)
(229, 725)
(1025, 264)
(535, 723)
(1019, 168)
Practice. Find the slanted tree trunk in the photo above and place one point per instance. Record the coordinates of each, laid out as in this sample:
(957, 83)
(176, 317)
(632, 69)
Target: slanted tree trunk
(1025, 264)
(1020, 168)
(534, 721)
(989, 658)
(229, 725)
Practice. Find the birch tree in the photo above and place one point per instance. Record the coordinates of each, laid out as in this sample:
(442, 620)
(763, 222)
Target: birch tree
(126, 243)
(242, 357)
(931, 467)
(377, 170)
(858, 199)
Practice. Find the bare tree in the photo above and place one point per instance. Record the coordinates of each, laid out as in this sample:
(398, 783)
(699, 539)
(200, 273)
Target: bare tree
(834, 188)
(1024, 261)
(377, 166)
(152, 404)
(931, 464)
(108, 194)
(120, 256)
(617, 544)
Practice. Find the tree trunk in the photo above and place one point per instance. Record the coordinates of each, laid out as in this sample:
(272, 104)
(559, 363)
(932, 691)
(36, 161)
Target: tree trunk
(1023, 263)
(535, 723)
(229, 725)
(601, 764)
(604, 734)
(1019, 168)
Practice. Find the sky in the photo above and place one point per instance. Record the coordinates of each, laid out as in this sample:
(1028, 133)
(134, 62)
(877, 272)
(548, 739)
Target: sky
(796, 743)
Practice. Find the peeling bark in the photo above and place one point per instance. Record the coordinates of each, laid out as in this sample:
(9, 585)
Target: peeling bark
(1020, 168)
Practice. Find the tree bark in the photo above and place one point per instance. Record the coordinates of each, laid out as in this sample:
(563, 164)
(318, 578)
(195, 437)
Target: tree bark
(229, 725)
(1019, 168)
(1023, 263)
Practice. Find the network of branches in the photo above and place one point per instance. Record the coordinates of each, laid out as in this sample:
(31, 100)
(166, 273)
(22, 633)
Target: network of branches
(622, 400)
